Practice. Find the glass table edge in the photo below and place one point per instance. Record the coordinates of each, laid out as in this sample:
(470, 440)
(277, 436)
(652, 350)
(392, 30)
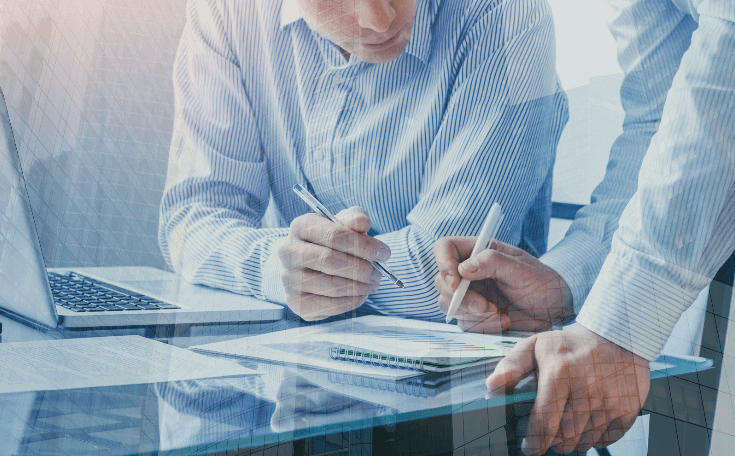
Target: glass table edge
(369, 423)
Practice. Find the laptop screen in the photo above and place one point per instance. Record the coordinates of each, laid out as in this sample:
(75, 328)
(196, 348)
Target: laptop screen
(23, 280)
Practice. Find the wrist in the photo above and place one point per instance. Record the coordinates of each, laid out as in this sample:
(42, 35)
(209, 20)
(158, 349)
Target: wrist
(563, 299)
(601, 341)
(567, 299)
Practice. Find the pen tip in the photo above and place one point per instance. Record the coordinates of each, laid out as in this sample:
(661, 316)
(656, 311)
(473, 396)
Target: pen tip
(400, 284)
(449, 319)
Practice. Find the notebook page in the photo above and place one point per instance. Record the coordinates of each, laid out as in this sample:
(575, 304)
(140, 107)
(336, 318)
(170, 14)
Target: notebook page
(309, 345)
(310, 355)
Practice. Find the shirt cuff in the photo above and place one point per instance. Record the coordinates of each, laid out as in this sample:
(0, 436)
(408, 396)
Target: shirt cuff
(633, 308)
(271, 272)
(577, 259)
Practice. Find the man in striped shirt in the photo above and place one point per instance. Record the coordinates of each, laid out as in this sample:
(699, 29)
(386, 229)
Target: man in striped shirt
(669, 199)
(408, 118)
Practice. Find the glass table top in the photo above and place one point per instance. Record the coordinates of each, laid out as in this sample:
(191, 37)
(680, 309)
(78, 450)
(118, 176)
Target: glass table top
(283, 404)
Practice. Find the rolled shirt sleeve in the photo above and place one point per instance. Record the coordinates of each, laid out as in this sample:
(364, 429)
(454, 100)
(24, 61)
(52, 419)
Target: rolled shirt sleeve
(217, 187)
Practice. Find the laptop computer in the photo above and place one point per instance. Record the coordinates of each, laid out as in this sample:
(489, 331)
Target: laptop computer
(94, 297)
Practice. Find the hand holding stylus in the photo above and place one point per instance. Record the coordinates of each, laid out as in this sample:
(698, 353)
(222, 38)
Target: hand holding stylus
(510, 289)
(487, 235)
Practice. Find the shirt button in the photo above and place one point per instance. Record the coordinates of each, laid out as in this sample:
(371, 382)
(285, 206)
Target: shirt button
(318, 154)
(338, 79)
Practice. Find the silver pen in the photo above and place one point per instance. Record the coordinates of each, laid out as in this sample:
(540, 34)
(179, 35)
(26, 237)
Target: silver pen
(320, 209)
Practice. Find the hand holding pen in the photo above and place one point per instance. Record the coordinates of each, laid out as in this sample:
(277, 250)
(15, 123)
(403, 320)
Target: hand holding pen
(509, 289)
(327, 261)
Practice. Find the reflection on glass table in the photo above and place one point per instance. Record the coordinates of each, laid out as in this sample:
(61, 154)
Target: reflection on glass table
(288, 409)
(305, 403)
(290, 403)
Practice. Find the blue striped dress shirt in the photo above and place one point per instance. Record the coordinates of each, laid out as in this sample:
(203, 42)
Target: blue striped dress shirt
(678, 213)
(468, 115)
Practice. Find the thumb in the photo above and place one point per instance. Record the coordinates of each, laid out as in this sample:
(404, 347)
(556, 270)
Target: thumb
(517, 365)
(448, 251)
(355, 218)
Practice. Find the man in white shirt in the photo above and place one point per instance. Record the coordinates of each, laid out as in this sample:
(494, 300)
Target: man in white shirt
(673, 228)
(404, 118)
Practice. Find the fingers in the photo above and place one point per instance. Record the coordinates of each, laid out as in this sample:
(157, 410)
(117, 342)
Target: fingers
(593, 431)
(320, 281)
(588, 396)
(508, 249)
(573, 425)
(473, 304)
(515, 366)
(492, 325)
(313, 282)
(522, 322)
(312, 307)
(590, 390)
(445, 286)
(492, 264)
(314, 229)
(296, 254)
(480, 299)
(616, 430)
(475, 313)
(548, 409)
(449, 251)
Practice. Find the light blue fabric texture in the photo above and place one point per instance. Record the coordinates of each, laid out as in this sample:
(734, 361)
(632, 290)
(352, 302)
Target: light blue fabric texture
(678, 213)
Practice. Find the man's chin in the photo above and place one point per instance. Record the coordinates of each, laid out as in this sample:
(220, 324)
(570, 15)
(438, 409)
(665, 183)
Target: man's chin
(379, 57)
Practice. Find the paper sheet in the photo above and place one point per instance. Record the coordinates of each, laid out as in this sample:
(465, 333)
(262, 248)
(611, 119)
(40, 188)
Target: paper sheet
(309, 345)
(103, 361)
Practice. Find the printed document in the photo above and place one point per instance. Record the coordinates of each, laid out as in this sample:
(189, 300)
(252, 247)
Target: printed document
(376, 346)
(103, 361)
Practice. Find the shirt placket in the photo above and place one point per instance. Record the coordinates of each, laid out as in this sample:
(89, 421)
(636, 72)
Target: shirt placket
(349, 133)
(341, 83)
(324, 124)
(331, 115)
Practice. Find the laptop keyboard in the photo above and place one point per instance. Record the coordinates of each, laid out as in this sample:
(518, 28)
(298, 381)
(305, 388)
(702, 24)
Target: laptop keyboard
(82, 294)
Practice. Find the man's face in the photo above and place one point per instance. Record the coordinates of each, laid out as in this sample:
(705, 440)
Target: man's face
(376, 31)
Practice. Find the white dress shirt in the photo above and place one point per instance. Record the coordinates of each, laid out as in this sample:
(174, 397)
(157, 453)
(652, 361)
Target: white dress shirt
(468, 115)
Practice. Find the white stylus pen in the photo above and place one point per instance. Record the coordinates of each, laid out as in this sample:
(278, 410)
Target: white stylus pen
(487, 234)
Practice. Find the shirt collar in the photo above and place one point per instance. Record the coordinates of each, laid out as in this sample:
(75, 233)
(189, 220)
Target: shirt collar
(419, 45)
